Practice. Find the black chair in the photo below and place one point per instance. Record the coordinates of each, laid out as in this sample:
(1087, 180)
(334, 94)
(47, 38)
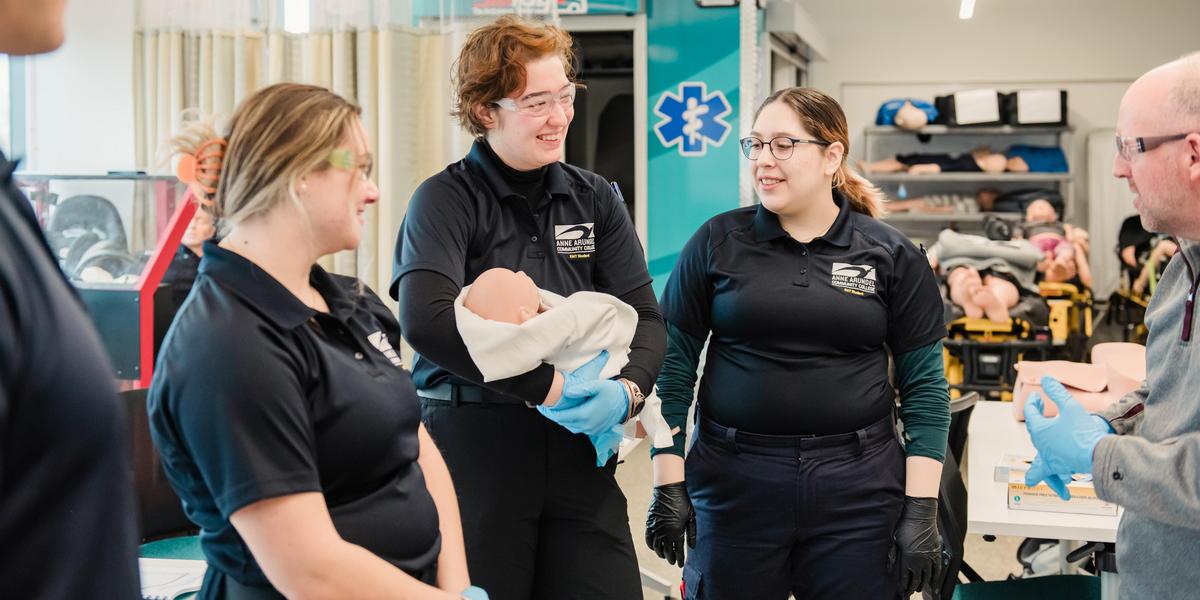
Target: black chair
(952, 504)
(160, 510)
(960, 417)
(87, 231)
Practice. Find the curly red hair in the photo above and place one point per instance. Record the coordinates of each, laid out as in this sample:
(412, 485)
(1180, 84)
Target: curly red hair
(492, 62)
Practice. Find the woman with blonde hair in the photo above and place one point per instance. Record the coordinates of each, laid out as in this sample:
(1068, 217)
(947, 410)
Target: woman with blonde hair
(797, 482)
(284, 417)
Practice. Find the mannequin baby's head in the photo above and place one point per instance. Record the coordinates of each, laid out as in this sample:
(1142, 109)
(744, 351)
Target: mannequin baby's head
(1040, 211)
(501, 295)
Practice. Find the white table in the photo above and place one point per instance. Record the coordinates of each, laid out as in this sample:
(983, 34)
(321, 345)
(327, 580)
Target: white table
(993, 432)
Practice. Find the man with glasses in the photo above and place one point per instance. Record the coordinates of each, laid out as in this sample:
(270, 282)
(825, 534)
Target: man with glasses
(1151, 466)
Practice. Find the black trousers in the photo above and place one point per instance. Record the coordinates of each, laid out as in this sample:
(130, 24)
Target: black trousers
(540, 519)
(811, 516)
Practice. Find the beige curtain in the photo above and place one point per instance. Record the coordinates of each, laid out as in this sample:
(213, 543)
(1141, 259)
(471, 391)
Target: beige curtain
(398, 75)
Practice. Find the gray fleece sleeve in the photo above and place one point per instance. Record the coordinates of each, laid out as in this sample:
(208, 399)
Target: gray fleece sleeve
(1125, 414)
(1162, 480)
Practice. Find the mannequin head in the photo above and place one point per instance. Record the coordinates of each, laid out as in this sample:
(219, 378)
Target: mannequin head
(1040, 211)
(910, 117)
(502, 295)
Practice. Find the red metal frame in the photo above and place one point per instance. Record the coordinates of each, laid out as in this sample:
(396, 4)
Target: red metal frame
(152, 275)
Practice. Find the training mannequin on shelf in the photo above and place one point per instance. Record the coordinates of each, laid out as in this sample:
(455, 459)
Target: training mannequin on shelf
(981, 160)
(1064, 248)
(510, 327)
(910, 117)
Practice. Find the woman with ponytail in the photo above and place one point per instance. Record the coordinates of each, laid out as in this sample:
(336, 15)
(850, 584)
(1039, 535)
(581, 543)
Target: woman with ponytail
(797, 482)
(283, 414)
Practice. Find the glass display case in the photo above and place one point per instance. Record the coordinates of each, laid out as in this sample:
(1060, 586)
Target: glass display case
(115, 237)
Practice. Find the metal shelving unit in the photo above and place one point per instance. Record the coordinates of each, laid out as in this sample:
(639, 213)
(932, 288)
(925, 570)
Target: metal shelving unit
(883, 141)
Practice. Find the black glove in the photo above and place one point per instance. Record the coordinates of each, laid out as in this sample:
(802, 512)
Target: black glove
(919, 545)
(669, 518)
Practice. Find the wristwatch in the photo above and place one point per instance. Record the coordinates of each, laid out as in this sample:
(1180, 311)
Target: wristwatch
(636, 398)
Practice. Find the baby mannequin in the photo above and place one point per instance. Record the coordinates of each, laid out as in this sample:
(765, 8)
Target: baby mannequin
(504, 296)
(910, 117)
(510, 327)
(1064, 248)
(978, 296)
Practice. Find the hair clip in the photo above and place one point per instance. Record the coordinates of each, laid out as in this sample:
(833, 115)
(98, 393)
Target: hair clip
(201, 170)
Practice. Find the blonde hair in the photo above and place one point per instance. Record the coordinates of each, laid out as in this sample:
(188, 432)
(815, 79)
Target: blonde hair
(276, 136)
(822, 116)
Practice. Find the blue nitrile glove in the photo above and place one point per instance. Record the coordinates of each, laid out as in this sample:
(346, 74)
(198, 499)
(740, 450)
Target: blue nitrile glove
(1064, 443)
(589, 371)
(607, 444)
(591, 407)
(474, 593)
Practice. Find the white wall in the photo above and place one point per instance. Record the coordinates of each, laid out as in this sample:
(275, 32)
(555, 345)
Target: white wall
(81, 96)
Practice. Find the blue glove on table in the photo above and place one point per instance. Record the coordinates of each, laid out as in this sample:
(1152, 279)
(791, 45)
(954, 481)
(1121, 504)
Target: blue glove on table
(1064, 443)
(589, 405)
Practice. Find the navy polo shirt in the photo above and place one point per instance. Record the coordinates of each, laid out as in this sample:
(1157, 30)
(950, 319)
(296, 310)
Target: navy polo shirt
(468, 219)
(800, 332)
(68, 525)
(256, 395)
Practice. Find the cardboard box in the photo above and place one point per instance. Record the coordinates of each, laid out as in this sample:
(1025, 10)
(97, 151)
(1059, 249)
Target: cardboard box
(1040, 497)
(1010, 464)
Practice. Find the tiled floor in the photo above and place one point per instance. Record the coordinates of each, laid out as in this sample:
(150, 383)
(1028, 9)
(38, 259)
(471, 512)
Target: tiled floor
(993, 560)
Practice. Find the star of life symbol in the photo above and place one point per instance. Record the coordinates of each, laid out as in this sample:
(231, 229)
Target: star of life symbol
(692, 118)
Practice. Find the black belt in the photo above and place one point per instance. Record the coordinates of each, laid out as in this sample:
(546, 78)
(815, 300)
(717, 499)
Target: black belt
(454, 395)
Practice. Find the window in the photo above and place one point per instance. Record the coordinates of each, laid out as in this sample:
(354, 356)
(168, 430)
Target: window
(297, 16)
(12, 105)
(5, 106)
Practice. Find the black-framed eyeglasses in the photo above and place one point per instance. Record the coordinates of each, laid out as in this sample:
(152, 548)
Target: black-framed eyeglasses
(782, 147)
(1128, 146)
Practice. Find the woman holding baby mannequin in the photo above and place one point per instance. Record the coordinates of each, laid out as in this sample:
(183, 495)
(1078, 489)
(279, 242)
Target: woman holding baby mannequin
(540, 520)
(797, 480)
(284, 418)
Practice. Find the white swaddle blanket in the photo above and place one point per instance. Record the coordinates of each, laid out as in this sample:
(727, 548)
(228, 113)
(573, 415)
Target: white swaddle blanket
(567, 334)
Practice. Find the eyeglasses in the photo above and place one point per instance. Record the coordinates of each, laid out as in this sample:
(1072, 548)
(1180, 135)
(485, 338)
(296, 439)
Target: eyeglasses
(1128, 146)
(539, 105)
(781, 147)
(342, 158)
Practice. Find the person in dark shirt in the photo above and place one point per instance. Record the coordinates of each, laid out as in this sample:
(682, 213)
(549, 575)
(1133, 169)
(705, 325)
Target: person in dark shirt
(797, 482)
(540, 520)
(281, 409)
(185, 265)
(68, 526)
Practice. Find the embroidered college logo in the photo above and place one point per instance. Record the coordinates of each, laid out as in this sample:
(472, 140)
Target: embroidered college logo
(575, 241)
(854, 279)
(381, 344)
